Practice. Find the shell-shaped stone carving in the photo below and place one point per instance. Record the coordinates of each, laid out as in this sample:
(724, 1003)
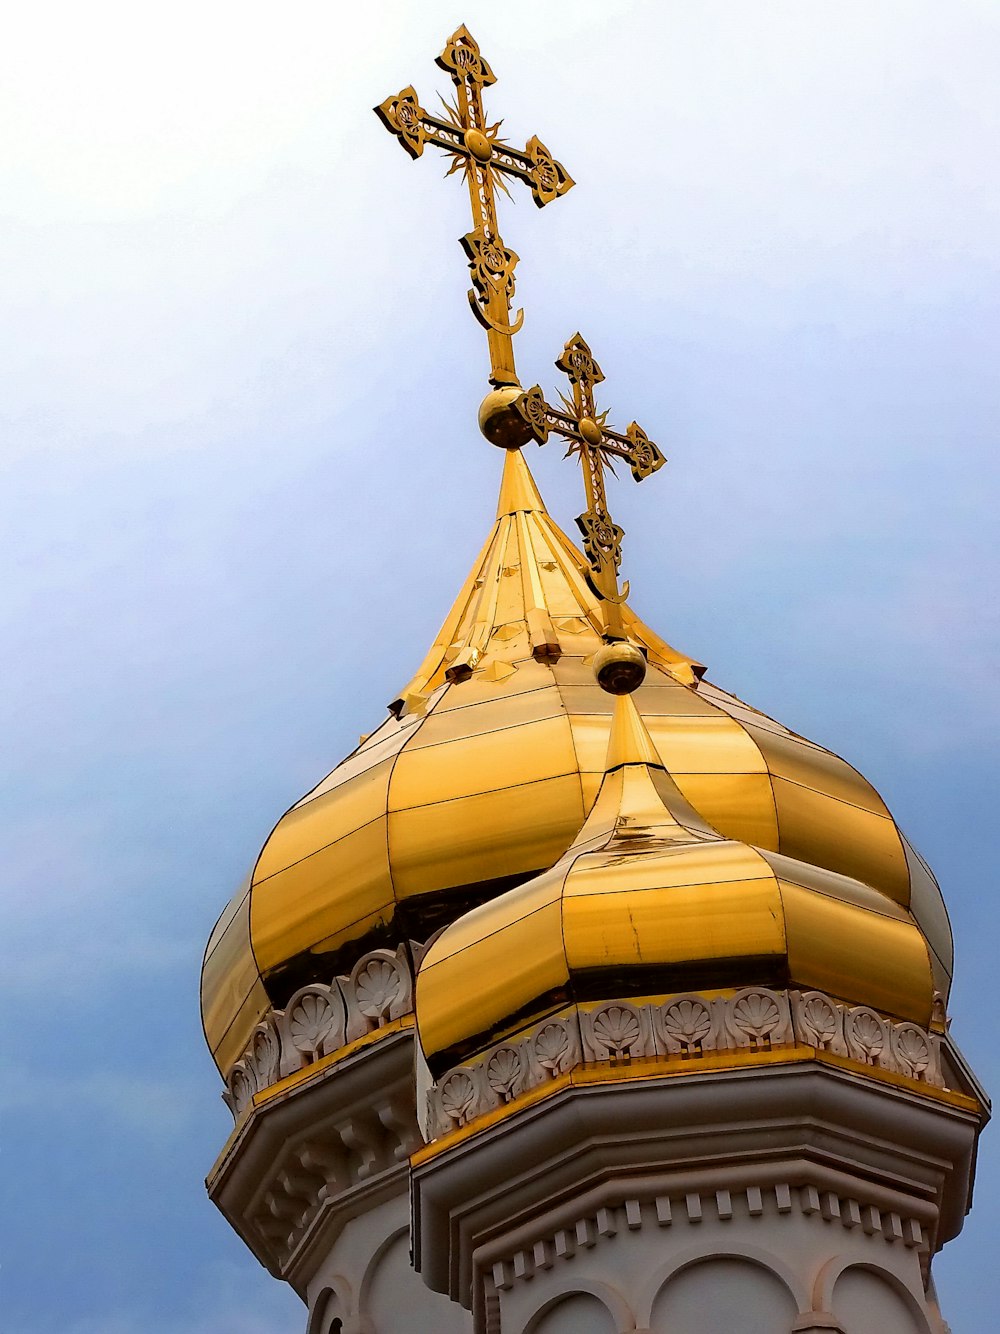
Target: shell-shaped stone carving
(458, 1093)
(866, 1035)
(552, 1046)
(242, 1087)
(264, 1055)
(756, 1015)
(912, 1050)
(377, 987)
(313, 1017)
(687, 1023)
(503, 1072)
(616, 1029)
(818, 1020)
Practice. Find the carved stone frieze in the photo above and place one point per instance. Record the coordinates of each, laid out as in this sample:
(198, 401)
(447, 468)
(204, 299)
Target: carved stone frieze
(320, 1019)
(762, 1201)
(687, 1026)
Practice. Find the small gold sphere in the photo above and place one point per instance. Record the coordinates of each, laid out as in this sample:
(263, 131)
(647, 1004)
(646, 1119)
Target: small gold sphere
(619, 667)
(590, 431)
(500, 421)
(478, 145)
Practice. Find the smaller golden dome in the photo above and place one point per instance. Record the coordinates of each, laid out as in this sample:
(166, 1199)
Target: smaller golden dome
(649, 900)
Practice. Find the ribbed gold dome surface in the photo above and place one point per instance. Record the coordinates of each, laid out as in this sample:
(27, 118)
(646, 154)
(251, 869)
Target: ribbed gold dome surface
(649, 899)
(487, 771)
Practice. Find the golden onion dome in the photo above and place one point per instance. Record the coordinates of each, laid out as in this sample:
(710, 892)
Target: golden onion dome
(650, 899)
(487, 767)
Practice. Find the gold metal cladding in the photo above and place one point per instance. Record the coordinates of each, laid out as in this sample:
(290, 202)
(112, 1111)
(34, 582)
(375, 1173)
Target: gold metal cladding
(339, 864)
(647, 885)
(487, 163)
(597, 445)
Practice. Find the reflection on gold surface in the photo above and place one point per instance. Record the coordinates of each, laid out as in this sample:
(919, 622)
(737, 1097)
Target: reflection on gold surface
(644, 925)
(433, 846)
(307, 829)
(857, 955)
(648, 885)
(518, 964)
(816, 828)
(232, 1042)
(740, 806)
(928, 907)
(319, 895)
(812, 767)
(490, 778)
(229, 972)
(514, 756)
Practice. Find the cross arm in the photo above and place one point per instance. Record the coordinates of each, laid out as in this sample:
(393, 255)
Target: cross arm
(634, 446)
(414, 127)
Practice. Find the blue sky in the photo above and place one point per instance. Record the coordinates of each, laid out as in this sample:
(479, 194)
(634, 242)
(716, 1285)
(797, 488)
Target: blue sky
(243, 480)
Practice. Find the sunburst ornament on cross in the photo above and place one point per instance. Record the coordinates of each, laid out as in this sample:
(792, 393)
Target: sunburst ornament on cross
(486, 161)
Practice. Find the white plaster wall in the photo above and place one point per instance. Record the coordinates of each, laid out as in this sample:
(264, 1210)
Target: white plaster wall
(865, 1303)
(726, 1294)
(579, 1313)
(367, 1282)
(729, 1262)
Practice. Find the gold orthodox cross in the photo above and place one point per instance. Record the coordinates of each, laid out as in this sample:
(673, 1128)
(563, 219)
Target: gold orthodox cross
(485, 159)
(589, 435)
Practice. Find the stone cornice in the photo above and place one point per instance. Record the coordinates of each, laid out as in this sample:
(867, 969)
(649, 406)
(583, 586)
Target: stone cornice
(689, 1028)
(803, 1126)
(311, 1156)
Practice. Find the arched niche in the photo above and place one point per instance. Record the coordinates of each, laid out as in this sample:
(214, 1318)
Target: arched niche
(724, 1293)
(393, 1297)
(326, 1315)
(575, 1313)
(868, 1301)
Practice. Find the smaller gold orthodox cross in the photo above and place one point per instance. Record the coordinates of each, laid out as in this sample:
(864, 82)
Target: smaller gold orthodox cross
(485, 159)
(579, 422)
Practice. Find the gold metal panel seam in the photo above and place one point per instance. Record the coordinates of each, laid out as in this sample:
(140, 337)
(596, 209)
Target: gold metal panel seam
(488, 762)
(496, 915)
(928, 907)
(228, 914)
(819, 770)
(612, 871)
(358, 928)
(310, 900)
(228, 976)
(696, 744)
(232, 1043)
(739, 806)
(816, 828)
(515, 831)
(857, 955)
(478, 689)
(500, 976)
(834, 885)
(360, 762)
(685, 924)
(491, 715)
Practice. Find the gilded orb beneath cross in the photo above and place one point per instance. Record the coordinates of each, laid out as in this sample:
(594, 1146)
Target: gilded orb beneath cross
(500, 421)
(620, 668)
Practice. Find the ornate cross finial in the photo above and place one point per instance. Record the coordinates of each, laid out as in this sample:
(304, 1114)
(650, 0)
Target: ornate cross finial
(485, 159)
(579, 422)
